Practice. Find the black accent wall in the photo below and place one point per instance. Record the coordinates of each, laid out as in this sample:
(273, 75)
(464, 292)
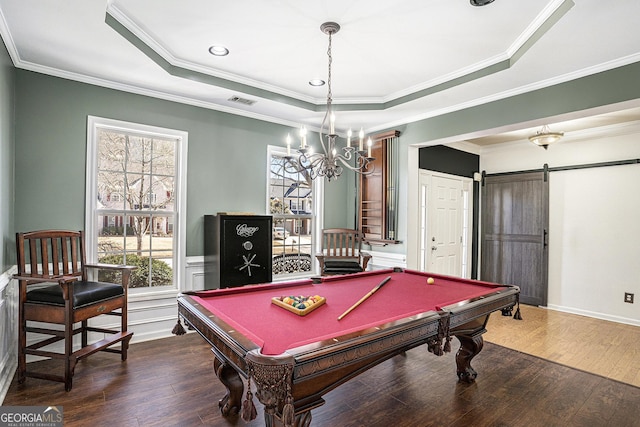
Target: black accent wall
(445, 159)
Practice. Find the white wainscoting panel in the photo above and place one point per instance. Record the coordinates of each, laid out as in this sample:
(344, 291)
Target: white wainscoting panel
(380, 260)
(194, 277)
(8, 330)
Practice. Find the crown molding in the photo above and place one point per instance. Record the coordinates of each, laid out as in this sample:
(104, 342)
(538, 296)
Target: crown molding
(120, 22)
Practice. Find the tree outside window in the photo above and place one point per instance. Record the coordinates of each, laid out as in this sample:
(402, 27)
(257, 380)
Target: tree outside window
(135, 209)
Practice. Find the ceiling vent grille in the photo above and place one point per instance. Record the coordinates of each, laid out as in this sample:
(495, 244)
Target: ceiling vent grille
(244, 101)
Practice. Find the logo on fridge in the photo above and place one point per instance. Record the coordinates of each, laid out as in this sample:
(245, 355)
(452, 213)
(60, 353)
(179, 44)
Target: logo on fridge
(245, 231)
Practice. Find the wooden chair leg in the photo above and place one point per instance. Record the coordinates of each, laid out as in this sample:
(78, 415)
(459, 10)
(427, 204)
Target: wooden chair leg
(84, 333)
(68, 374)
(123, 328)
(124, 348)
(22, 345)
(68, 348)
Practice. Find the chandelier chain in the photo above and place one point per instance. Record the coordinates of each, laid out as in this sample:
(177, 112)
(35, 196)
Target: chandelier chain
(329, 94)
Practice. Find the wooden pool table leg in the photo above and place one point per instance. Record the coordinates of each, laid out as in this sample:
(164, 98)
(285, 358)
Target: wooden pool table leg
(232, 401)
(470, 345)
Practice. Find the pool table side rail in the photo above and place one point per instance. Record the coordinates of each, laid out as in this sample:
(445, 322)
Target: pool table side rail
(383, 338)
(356, 357)
(249, 288)
(466, 311)
(217, 333)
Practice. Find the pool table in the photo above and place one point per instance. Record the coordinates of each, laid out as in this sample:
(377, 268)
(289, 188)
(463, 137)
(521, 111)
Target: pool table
(293, 360)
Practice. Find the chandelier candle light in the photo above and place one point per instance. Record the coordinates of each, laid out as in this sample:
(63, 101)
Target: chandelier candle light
(329, 163)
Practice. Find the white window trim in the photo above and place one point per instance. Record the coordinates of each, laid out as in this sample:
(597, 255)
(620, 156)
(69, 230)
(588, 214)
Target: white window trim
(179, 257)
(318, 206)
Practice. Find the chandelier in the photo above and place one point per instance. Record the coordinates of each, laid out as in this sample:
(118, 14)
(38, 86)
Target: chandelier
(544, 137)
(330, 162)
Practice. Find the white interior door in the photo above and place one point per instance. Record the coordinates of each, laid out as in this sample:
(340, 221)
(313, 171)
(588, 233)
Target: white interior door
(444, 211)
(446, 239)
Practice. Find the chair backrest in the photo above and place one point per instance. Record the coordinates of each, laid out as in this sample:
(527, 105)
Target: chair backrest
(49, 253)
(341, 243)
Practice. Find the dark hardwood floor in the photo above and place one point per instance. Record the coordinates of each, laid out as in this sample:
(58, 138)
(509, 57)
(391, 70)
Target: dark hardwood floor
(170, 382)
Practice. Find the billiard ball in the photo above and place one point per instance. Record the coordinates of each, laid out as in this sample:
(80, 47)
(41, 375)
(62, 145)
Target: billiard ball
(430, 281)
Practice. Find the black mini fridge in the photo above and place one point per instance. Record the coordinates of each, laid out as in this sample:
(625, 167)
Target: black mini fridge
(237, 250)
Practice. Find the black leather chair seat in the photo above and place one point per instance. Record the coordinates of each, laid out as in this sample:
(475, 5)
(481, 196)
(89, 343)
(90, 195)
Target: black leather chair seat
(84, 293)
(341, 267)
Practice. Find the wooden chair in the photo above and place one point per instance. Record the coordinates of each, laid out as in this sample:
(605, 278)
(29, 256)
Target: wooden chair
(54, 289)
(341, 252)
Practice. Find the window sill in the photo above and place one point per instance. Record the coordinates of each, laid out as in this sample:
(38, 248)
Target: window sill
(148, 295)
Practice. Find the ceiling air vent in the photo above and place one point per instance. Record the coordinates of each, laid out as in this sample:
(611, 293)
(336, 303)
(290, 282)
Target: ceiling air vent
(244, 101)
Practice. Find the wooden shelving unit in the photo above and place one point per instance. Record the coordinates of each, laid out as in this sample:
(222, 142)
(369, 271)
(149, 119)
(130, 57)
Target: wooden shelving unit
(373, 192)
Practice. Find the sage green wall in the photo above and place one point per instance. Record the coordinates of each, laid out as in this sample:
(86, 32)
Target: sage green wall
(226, 168)
(7, 73)
(339, 202)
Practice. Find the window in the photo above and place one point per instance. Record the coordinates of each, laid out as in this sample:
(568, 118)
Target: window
(136, 200)
(291, 202)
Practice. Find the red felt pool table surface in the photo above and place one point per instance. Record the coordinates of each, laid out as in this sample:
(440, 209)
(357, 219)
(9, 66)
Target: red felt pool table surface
(274, 329)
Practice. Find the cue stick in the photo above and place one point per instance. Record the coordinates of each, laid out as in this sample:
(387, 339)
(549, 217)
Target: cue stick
(371, 292)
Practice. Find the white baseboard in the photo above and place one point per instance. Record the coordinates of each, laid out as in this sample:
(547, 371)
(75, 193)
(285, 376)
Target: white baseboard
(8, 365)
(594, 314)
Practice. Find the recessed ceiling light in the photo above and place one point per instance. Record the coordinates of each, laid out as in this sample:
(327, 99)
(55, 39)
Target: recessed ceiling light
(316, 82)
(218, 50)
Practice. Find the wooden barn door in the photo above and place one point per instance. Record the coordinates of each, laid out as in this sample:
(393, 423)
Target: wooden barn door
(515, 224)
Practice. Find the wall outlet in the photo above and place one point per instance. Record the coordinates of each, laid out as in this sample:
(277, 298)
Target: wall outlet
(628, 297)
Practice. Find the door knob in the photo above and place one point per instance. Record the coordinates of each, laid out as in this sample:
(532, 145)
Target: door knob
(434, 248)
